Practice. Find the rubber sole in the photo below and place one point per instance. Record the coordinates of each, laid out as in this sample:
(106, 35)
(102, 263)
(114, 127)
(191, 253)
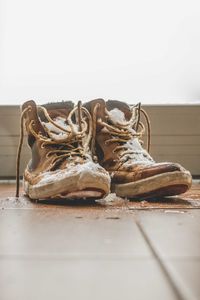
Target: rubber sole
(76, 186)
(166, 184)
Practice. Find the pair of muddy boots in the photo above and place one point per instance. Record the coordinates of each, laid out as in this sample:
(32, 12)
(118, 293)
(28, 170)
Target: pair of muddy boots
(83, 151)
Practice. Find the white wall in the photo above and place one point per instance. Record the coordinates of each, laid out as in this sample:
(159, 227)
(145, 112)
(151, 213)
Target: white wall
(82, 49)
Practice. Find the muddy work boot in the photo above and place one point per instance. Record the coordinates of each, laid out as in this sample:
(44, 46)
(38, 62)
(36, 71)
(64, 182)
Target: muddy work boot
(62, 166)
(133, 172)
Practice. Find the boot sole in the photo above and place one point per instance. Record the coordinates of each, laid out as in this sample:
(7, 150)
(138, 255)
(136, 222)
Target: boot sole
(71, 187)
(166, 184)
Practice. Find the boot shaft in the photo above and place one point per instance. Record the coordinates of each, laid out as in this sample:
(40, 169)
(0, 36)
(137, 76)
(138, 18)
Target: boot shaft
(117, 133)
(54, 134)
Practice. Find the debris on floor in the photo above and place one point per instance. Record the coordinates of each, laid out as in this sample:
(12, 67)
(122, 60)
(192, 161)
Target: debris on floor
(172, 211)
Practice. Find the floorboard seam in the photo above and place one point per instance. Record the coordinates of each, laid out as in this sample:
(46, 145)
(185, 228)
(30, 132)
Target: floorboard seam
(159, 260)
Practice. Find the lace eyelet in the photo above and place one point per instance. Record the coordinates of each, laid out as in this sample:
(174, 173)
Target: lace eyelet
(48, 154)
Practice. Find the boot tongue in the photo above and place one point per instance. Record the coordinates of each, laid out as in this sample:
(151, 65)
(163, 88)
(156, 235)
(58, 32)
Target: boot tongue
(119, 110)
(58, 109)
(58, 112)
(101, 109)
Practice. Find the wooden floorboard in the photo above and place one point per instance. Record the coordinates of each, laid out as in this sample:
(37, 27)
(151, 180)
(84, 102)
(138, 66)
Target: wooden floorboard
(112, 249)
(107, 279)
(186, 273)
(74, 234)
(174, 233)
(174, 236)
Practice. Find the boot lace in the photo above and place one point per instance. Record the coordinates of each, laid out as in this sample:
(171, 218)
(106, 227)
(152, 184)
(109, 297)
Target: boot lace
(123, 133)
(74, 141)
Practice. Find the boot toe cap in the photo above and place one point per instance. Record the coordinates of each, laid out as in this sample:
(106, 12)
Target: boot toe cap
(135, 173)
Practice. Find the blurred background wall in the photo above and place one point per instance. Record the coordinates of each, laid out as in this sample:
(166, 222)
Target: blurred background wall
(175, 137)
(130, 50)
(143, 50)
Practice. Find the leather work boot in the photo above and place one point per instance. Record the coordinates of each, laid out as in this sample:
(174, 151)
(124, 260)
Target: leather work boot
(118, 146)
(62, 166)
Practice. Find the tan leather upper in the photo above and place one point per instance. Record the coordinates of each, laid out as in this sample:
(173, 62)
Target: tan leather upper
(42, 160)
(122, 167)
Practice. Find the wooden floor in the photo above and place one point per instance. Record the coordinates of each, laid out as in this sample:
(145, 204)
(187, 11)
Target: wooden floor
(112, 249)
